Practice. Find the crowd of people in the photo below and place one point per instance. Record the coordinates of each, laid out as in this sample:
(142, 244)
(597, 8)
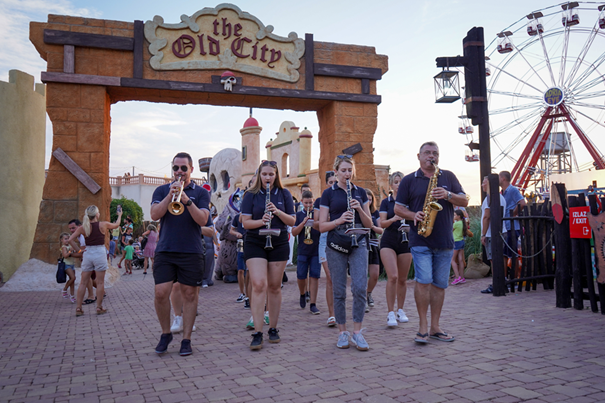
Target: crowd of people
(342, 231)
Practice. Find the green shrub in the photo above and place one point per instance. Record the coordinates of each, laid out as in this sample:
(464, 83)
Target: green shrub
(129, 208)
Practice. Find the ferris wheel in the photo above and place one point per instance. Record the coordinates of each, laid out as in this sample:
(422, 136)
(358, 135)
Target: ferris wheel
(546, 94)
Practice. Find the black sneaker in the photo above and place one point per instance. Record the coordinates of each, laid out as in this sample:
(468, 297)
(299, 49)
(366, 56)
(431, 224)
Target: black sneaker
(274, 335)
(314, 310)
(162, 346)
(247, 303)
(257, 341)
(186, 348)
(307, 296)
(303, 301)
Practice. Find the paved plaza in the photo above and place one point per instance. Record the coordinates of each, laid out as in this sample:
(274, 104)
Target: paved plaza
(508, 349)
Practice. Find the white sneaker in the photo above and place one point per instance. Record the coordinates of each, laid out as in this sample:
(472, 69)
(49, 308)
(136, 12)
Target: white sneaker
(391, 321)
(331, 321)
(177, 325)
(193, 330)
(401, 316)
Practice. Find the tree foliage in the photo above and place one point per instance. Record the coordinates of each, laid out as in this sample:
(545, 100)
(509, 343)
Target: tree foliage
(129, 208)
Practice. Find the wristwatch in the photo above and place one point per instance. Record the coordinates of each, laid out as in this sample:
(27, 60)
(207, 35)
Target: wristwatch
(189, 203)
(449, 195)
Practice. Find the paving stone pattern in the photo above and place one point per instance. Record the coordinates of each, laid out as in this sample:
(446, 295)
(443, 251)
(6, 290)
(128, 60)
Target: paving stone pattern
(508, 349)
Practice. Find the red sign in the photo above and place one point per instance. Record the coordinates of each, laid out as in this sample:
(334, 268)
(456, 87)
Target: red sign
(578, 222)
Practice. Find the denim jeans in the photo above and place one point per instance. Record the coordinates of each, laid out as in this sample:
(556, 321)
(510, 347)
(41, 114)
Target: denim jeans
(432, 266)
(338, 263)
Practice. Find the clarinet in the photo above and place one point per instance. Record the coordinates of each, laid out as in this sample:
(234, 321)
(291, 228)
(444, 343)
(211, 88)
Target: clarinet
(268, 245)
(351, 224)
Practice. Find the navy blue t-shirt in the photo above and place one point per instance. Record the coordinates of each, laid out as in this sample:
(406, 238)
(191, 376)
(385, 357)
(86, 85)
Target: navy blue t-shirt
(303, 248)
(238, 225)
(254, 205)
(388, 206)
(411, 194)
(180, 233)
(335, 199)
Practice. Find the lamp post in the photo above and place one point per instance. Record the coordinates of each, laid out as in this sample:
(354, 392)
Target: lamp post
(473, 62)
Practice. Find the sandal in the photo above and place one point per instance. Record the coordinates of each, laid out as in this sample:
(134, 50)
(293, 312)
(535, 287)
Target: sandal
(421, 338)
(79, 312)
(101, 310)
(442, 337)
(89, 301)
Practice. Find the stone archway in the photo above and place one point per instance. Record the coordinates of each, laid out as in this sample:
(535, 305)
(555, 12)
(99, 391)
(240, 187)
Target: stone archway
(92, 64)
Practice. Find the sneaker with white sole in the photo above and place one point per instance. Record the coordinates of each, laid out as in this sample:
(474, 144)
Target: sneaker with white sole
(331, 321)
(370, 300)
(359, 341)
(241, 298)
(343, 340)
(391, 320)
(367, 307)
(266, 317)
(402, 317)
(250, 324)
(177, 325)
(247, 303)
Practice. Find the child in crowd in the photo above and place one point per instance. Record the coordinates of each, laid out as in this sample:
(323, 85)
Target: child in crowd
(128, 254)
(69, 267)
(111, 253)
(308, 252)
(458, 257)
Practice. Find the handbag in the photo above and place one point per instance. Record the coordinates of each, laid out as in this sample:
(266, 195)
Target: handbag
(61, 276)
(339, 242)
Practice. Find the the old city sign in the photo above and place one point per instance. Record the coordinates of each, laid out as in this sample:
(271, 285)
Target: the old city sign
(224, 37)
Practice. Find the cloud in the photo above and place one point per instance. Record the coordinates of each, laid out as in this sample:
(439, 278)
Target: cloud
(17, 51)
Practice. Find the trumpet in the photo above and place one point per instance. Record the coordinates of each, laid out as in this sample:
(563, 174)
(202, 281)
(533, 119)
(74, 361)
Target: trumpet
(176, 207)
(308, 240)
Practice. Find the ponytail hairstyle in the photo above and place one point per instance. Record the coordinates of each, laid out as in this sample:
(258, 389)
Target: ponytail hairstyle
(373, 204)
(90, 214)
(460, 214)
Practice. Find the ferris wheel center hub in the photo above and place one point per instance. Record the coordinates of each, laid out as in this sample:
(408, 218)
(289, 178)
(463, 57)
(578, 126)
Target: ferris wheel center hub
(553, 96)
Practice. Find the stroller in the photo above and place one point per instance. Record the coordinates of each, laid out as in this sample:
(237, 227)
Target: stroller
(138, 260)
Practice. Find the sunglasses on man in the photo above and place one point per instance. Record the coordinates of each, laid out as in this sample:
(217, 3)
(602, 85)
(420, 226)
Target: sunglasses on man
(183, 168)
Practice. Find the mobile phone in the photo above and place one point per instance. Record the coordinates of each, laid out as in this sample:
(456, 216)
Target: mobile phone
(119, 208)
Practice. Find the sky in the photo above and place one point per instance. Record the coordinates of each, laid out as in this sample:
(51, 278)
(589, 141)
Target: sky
(412, 34)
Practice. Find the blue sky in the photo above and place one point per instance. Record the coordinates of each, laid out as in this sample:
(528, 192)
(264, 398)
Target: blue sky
(411, 34)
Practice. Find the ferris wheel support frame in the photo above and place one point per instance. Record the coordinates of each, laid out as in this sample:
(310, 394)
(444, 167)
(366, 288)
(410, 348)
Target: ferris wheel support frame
(522, 171)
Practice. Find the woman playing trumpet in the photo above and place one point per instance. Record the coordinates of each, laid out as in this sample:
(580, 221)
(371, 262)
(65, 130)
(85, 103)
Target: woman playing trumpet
(345, 205)
(266, 255)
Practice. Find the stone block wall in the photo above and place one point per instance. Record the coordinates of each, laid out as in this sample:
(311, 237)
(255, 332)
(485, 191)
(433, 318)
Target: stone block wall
(23, 132)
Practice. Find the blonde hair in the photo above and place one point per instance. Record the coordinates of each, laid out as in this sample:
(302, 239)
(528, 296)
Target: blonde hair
(63, 234)
(394, 175)
(373, 204)
(152, 227)
(258, 183)
(344, 158)
(90, 214)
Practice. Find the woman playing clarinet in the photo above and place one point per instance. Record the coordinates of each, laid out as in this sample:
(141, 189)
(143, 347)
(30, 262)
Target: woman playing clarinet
(344, 206)
(267, 209)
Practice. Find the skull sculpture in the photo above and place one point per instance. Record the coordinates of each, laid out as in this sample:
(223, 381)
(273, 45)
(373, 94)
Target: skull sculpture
(228, 80)
(225, 172)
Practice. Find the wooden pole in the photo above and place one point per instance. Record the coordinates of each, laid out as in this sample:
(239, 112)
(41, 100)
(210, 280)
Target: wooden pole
(562, 249)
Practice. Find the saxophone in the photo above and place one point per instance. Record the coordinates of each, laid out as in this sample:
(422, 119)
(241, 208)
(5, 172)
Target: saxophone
(430, 208)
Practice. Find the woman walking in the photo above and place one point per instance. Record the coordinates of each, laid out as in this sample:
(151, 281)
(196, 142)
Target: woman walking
(345, 206)
(266, 265)
(152, 241)
(395, 254)
(95, 254)
(374, 255)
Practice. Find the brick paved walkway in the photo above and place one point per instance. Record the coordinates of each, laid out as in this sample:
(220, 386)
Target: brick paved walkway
(508, 349)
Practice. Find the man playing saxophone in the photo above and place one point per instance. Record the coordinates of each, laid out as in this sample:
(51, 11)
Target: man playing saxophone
(432, 254)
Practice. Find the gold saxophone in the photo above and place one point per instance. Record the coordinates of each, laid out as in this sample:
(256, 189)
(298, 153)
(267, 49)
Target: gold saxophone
(430, 208)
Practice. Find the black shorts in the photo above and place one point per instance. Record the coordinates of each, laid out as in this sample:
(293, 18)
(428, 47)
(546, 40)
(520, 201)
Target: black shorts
(393, 241)
(184, 268)
(374, 256)
(254, 247)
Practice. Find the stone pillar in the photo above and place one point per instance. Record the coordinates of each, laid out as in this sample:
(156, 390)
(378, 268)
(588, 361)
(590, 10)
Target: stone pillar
(342, 124)
(251, 144)
(23, 130)
(304, 154)
(81, 127)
